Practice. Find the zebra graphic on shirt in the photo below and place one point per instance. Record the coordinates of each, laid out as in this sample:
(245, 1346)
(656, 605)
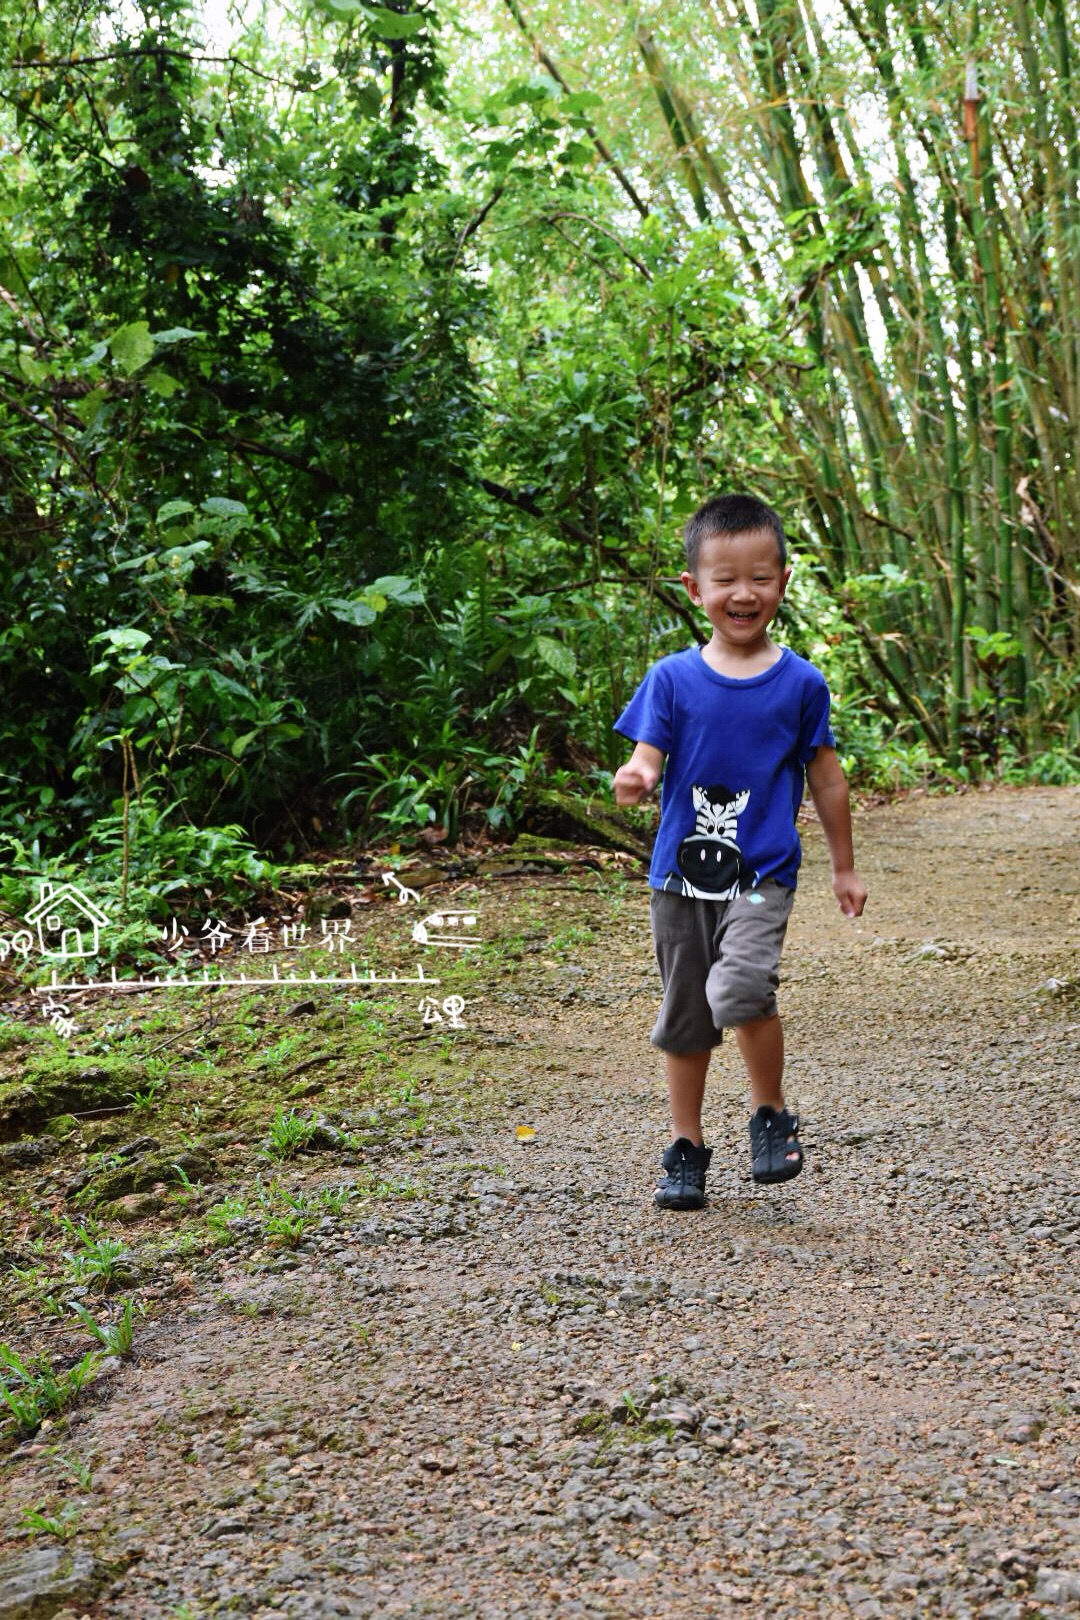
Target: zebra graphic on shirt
(710, 862)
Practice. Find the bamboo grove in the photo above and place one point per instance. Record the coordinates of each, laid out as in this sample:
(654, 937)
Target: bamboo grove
(901, 180)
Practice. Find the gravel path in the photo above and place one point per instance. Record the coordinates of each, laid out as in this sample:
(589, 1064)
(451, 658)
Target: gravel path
(535, 1395)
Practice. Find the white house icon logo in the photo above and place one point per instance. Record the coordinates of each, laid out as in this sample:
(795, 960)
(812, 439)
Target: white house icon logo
(67, 923)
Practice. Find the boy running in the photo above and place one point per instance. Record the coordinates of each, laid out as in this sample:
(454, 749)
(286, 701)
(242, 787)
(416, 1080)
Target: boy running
(739, 722)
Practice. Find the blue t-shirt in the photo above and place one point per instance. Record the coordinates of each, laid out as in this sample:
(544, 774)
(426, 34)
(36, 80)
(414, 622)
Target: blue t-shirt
(733, 782)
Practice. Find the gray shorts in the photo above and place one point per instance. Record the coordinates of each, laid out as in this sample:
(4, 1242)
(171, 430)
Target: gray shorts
(719, 963)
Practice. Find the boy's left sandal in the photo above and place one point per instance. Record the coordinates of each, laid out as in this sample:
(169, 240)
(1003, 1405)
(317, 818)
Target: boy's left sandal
(775, 1152)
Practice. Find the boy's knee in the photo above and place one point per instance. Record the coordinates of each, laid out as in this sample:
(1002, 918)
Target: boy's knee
(737, 996)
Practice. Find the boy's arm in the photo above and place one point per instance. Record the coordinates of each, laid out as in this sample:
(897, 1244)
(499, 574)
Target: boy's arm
(639, 775)
(829, 791)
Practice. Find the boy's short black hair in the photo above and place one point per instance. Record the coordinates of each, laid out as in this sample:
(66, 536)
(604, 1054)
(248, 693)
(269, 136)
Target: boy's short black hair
(731, 514)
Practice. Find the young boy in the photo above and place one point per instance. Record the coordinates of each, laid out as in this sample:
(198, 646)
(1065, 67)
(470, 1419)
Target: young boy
(739, 721)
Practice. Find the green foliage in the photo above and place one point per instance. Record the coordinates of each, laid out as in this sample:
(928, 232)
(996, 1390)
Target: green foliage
(354, 389)
(62, 1525)
(98, 1261)
(240, 413)
(33, 1390)
(141, 867)
(115, 1338)
(289, 1133)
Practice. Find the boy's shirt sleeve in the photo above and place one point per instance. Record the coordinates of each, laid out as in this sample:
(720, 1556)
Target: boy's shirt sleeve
(649, 716)
(815, 731)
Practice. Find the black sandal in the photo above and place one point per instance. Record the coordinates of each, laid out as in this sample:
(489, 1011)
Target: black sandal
(683, 1183)
(775, 1151)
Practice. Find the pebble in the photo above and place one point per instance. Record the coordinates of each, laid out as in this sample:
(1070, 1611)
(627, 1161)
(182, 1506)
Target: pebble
(1022, 1427)
(1059, 1587)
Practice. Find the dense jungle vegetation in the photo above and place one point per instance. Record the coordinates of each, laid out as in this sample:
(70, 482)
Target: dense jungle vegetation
(359, 363)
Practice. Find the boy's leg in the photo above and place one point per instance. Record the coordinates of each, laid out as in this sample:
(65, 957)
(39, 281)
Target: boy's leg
(742, 994)
(774, 1133)
(742, 982)
(686, 1073)
(761, 1043)
(685, 1032)
(686, 1162)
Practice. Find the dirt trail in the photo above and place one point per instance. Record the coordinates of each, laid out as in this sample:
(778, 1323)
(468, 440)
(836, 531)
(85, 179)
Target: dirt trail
(535, 1395)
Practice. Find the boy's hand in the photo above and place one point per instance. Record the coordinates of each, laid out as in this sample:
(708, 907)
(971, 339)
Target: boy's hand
(639, 775)
(850, 891)
(632, 783)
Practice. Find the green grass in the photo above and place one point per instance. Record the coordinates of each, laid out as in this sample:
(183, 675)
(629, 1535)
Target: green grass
(115, 1338)
(289, 1133)
(33, 1390)
(62, 1525)
(98, 1261)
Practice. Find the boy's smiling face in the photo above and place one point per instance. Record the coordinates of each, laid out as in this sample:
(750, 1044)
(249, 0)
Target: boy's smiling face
(739, 582)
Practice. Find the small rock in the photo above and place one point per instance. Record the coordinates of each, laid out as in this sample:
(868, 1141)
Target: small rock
(223, 1527)
(1014, 1563)
(24, 1155)
(1057, 1586)
(33, 1584)
(637, 1292)
(432, 1463)
(633, 1509)
(624, 1569)
(137, 1148)
(1022, 1427)
(680, 1414)
(135, 1207)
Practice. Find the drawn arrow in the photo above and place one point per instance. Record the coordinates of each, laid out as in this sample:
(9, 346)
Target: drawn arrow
(404, 894)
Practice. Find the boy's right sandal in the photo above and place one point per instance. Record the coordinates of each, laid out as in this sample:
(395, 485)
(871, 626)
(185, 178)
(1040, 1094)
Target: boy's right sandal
(682, 1185)
(775, 1152)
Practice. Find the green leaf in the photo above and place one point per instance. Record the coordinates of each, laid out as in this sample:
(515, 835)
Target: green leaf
(174, 509)
(126, 639)
(397, 588)
(176, 557)
(90, 407)
(541, 87)
(358, 614)
(369, 100)
(556, 654)
(394, 24)
(132, 347)
(222, 506)
(581, 101)
(498, 658)
(175, 334)
(160, 383)
(34, 371)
